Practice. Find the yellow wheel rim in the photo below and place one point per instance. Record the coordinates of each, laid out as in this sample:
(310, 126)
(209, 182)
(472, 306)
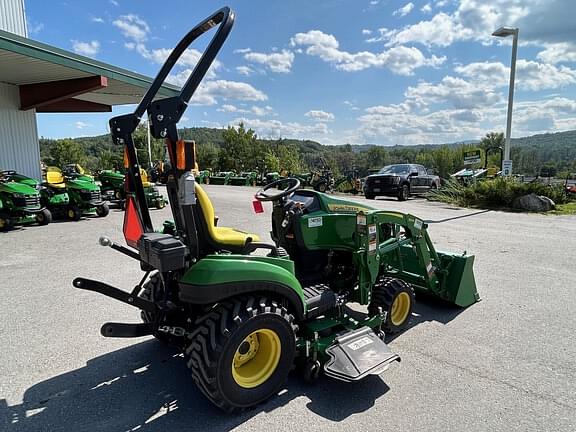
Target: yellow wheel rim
(71, 213)
(256, 358)
(400, 309)
(2, 223)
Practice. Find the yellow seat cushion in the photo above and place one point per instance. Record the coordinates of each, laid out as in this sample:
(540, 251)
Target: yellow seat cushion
(221, 235)
(54, 178)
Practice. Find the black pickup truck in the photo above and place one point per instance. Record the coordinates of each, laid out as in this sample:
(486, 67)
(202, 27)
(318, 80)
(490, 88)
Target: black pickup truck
(401, 181)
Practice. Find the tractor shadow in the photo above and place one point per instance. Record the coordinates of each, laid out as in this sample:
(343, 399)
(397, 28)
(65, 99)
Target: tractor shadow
(147, 387)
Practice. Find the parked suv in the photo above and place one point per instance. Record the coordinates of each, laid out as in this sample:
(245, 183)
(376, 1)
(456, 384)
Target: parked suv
(401, 181)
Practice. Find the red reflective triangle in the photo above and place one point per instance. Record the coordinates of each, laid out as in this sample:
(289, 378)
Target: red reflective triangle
(132, 224)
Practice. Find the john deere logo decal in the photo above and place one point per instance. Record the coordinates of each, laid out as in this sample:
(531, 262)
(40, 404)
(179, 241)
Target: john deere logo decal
(346, 208)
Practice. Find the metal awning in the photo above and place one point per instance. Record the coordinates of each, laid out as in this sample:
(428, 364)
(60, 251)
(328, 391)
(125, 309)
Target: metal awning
(54, 80)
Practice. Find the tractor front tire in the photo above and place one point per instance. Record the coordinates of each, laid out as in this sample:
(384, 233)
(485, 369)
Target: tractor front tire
(5, 222)
(102, 210)
(241, 352)
(396, 298)
(44, 217)
(160, 204)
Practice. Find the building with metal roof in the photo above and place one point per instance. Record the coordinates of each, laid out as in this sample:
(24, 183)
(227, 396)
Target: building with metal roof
(36, 78)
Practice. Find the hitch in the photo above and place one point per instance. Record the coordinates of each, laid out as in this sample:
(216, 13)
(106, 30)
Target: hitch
(131, 299)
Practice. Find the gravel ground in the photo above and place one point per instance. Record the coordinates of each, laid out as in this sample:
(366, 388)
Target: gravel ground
(507, 363)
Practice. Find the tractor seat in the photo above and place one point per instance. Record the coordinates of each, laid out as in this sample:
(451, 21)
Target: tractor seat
(144, 178)
(55, 180)
(222, 237)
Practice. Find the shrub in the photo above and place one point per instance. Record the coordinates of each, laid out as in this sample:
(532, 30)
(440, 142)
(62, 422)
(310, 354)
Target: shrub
(497, 193)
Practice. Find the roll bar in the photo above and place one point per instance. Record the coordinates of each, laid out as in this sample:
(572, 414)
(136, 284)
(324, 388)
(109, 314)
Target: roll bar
(164, 115)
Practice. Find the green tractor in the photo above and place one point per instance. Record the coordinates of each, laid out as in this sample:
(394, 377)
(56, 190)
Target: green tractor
(203, 177)
(83, 196)
(221, 177)
(76, 172)
(245, 178)
(20, 202)
(349, 183)
(111, 185)
(242, 319)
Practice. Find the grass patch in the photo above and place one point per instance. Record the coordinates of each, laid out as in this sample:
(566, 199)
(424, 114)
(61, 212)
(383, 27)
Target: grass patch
(565, 209)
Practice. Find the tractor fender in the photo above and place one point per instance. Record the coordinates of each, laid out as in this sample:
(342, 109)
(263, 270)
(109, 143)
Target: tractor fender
(214, 279)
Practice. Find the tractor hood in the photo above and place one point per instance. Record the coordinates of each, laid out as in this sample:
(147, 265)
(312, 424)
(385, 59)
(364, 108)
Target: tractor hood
(339, 205)
(13, 187)
(82, 185)
(22, 179)
(113, 175)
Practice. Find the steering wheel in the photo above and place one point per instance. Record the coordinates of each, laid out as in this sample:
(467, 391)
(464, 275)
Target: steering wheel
(293, 184)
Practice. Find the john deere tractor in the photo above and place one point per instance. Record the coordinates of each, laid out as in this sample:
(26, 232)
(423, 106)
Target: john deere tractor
(83, 196)
(243, 310)
(20, 202)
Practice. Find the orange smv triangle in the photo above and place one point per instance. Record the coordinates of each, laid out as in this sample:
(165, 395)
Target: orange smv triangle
(132, 223)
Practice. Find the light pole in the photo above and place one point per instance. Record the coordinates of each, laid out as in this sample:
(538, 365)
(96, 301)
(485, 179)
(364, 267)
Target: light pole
(505, 32)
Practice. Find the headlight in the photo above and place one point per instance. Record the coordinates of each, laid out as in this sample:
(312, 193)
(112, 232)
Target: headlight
(84, 191)
(19, 195)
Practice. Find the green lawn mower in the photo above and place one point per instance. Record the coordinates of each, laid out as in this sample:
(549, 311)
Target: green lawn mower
(245, 178)
(83, 196)
(111, 185)
(20, 202)
(203, 177)
(76, 172)
(221, 177)
(243, 319)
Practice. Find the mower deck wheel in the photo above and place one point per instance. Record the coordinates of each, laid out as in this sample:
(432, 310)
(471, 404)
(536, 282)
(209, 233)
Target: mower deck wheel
(241, 351)
(5, 223)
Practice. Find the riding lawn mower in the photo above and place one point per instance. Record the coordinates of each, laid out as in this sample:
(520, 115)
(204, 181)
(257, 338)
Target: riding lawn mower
(244, 311)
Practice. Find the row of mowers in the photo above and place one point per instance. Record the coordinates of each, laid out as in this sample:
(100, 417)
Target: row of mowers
(25, 200)
(112, 186)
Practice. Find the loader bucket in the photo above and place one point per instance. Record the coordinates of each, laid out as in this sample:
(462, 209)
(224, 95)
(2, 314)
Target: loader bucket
(459, 286)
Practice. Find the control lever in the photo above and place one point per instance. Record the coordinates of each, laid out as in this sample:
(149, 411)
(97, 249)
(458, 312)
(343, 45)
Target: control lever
(105, 241)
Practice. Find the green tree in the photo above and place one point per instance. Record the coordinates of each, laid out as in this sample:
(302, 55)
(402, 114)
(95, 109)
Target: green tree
(239, 148)
(207, 155)
(66, 151)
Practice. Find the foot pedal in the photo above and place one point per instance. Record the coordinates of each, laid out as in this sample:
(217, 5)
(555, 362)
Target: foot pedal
(356, 354)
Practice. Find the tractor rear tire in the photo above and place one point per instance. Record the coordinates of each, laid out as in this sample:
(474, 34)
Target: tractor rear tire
(74, 213)
(44, 217)
(102, 210)
(396, 298)
(241, 352)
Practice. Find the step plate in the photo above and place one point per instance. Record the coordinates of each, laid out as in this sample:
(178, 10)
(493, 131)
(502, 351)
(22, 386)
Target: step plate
(356, 354)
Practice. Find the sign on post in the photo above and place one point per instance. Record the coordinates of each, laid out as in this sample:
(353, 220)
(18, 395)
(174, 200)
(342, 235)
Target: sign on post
(507, 167)
(472, 157)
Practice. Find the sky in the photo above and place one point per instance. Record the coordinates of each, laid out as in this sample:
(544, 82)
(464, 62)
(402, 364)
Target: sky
(381, 72)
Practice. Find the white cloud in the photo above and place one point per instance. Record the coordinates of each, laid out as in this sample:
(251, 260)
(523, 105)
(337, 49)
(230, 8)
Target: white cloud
(562, 52)
(404, 10)
(256, 110)
(244, 70)
(262, 111)
(399, 59)
(366, 31)
(97, 20)
(188, 60)
(427, 8)
(113, 2)
(34, 27)
(242, 50)
(319, 115)
(89, 49)
(351, 105)
(211, 91)
(82, 125)
(530, 75)
(454, 92)
(132, 27)
(279, 62)
(276, 128)
(442, 30)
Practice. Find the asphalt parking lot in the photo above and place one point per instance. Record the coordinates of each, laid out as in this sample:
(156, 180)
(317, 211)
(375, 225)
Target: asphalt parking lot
(508, 363)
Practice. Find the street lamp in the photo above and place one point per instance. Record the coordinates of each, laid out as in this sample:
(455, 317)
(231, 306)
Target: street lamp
(505, 32)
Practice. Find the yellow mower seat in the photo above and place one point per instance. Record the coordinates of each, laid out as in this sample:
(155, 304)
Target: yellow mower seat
(55, 179)
(221, 235)
(144, 178)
